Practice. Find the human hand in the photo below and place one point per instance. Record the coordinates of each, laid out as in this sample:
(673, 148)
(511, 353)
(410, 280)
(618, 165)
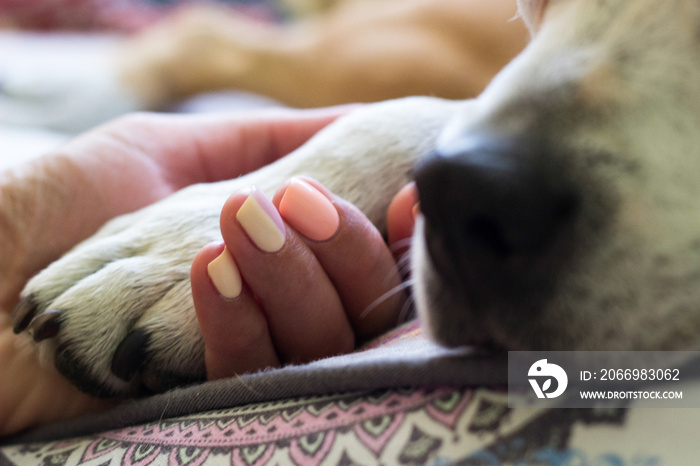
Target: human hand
(297, 279)
(50, 204)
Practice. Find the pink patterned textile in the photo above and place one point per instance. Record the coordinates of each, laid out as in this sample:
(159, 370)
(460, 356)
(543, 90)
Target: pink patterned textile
(392, 427)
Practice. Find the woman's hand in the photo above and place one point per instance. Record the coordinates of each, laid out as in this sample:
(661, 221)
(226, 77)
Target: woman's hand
(50, 204)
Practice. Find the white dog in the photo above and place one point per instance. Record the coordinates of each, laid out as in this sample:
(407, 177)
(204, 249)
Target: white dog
(560, 209)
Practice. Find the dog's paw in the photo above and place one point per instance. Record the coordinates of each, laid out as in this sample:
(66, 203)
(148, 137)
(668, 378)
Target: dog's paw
(116, 313)
(67, 87)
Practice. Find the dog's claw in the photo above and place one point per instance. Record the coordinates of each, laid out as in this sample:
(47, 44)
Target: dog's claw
(130, 354)
(46, 325)
(23, 314)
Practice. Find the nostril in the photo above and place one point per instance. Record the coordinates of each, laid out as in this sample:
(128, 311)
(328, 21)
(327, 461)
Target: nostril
(566, 209)
(485, 233)
(497, 197)
(505, 233)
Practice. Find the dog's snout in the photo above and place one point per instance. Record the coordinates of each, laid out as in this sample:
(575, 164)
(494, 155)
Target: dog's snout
(494, 199)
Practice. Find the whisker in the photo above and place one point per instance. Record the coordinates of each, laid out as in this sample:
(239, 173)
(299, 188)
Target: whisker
(394, 291)
(401, 244)
(407, 310)
(404, 264)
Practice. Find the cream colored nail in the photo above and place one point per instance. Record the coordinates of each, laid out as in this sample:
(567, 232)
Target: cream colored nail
(261, 222)
(224, 273)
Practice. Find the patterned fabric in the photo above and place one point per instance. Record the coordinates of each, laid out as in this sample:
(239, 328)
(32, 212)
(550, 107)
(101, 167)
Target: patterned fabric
(393, 427)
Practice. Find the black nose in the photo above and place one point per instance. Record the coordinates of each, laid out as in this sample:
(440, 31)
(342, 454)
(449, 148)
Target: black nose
(493, 199)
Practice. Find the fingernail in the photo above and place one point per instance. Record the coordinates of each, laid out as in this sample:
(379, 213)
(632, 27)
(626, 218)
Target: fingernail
(415, 211)
(225, 275)
(308, 211)
(262, 222)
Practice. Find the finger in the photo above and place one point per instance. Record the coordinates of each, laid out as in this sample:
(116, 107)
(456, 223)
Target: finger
(233, 326)
(303, 310)
(206, 148)
(401, 214)
(351, 251)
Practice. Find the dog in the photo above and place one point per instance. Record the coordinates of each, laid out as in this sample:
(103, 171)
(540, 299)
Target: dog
(352, 51)
(558, 209)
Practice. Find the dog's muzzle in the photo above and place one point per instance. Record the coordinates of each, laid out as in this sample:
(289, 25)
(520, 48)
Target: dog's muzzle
(494, 209)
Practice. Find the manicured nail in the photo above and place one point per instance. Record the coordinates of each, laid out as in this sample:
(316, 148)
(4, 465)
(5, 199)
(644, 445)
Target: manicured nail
(308, 211)
(262, 222)
(225, 275)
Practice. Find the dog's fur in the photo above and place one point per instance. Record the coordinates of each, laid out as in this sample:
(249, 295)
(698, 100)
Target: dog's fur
(594, 124)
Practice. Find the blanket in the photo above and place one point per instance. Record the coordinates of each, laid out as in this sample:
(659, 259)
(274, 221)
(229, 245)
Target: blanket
(400, 400)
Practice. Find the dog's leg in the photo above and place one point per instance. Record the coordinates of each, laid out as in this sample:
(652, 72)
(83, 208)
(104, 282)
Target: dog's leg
(363, 51)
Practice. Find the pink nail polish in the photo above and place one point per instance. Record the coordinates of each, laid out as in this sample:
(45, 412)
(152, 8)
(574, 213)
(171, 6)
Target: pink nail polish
(261, 222)
(308, 211)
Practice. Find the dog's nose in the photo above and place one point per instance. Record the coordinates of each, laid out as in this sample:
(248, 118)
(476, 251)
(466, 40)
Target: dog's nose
(489, 198)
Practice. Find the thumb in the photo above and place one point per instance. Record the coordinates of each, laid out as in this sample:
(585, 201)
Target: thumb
(208, 148)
